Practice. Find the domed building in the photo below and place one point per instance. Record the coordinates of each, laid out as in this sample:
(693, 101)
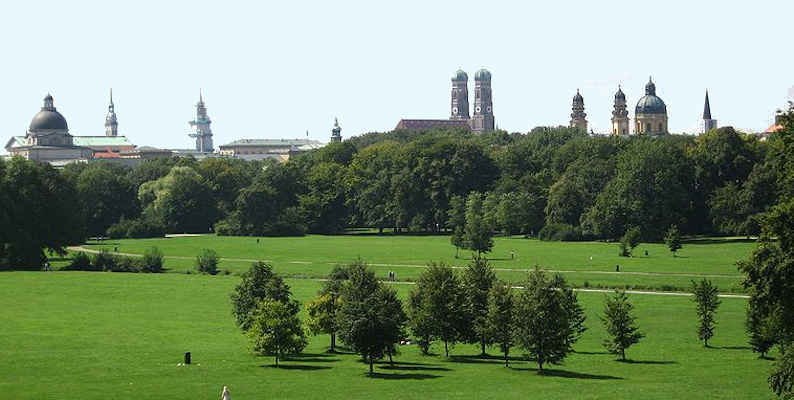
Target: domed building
(48, 138)
(650, 115)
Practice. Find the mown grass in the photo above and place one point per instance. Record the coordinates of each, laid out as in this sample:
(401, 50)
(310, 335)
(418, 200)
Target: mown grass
(585, 264)
(83, 335)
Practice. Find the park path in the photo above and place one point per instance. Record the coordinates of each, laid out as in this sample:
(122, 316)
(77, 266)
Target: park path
(562, 271)
(645, 292)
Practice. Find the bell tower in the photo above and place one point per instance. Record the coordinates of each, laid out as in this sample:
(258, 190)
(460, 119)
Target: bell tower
(460, 96)
(111, 123)
(336, 132)
(578, 115)
(201, 125)
(708, 122)
(483, 119)
(620, 115)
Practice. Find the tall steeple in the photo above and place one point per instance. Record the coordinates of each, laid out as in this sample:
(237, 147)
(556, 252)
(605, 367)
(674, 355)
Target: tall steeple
(336, 132)
(201, 125)
(460, 96)
(708, 122)
(483, 119)
(111, 122)
(620, 115)
(578, 115)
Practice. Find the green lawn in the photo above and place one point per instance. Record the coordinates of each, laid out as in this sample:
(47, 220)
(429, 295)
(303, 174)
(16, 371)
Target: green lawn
(583, 263)
(83, 335)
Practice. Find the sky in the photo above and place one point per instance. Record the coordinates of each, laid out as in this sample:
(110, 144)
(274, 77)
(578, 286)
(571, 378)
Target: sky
(277, 69)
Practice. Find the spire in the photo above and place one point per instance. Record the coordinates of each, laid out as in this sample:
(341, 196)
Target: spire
(201, 98)
(707, 107)
(111, 107)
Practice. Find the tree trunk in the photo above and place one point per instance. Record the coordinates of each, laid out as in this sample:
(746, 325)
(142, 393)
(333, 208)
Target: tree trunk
(482, 345)
(446, 347)
(333, 342)
(623, 353)
(507, 365)
(391, 362)
(371, 371)
(276, 360)
(540, 365)
(456, 251)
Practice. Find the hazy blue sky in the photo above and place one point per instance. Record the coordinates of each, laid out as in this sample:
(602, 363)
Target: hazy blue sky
(277, 69)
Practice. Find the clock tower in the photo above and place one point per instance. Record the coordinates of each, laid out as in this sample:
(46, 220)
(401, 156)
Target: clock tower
(460, 96)
(483, 119)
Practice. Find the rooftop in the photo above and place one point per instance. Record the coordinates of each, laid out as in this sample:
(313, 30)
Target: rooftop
(272, 143)
(88, 141)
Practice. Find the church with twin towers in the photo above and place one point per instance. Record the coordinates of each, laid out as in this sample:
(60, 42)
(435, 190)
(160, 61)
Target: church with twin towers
(480, 120)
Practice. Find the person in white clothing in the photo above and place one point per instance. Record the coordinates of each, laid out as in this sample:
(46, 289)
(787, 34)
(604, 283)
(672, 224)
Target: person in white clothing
(225, 394)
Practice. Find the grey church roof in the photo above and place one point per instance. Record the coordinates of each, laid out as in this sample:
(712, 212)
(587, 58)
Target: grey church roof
(650, 103)
(48, 119)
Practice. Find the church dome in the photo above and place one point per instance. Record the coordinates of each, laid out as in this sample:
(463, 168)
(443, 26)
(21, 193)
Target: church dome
(48, 118)
(482, 75)
(460, 75)
(650, 103)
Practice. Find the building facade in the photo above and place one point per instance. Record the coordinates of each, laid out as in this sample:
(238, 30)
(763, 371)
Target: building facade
(260, 149)
(650, 115)
(201, 126)
(578, 116)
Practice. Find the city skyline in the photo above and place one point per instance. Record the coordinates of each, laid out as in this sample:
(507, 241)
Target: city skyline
(307, 68)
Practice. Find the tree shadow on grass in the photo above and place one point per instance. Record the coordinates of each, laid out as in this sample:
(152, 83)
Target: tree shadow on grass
(591, 353)
(647, 362)
(378, 375)
(730, 347)
(486, 359)
(406, 366)
(568, 374)
(299, 367)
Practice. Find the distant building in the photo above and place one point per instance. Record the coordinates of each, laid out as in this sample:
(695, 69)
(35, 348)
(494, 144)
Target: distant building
(336, 132)
(708, 122)
(48, 138)
(146, 153)
(425, 124)
(201, 125)
(620, 115)
(483, 118)
(578, 115)
(651, 113)
(260, 149)
(111, 122)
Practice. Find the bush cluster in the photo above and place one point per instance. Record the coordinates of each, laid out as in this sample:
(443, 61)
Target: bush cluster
(152, 261)
(136, 229)
(561, 232)
(207, 262)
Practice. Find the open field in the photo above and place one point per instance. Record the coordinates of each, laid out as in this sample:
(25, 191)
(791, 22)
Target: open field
(83, 335)
(583, 263)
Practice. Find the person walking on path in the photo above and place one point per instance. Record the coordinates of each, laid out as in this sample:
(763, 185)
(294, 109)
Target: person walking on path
(225, 394)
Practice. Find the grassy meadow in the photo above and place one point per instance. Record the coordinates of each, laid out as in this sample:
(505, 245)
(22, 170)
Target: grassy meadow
(584, 264)
(91, 335)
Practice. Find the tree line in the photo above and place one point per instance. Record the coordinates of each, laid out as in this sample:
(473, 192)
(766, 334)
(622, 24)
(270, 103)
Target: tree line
(553, 183)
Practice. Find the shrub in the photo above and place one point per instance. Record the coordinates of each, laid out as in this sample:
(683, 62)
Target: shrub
(136, 229)
(126, 264)
(80, 262)
(103, 261)
(207, 262)
(152, 260)
(560, 232)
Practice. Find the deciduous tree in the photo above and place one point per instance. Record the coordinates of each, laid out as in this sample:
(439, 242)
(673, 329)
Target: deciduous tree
(706, 296)
(620, 324)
